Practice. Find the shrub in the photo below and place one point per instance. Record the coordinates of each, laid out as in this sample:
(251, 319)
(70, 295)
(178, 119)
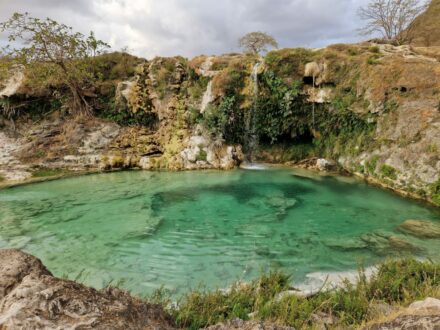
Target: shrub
(435, 192)
(374, 49)
(202, 155)
(371, 164)
(373, 59)
(388, 171)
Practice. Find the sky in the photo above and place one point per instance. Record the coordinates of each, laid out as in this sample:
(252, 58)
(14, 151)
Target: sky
(193, 27)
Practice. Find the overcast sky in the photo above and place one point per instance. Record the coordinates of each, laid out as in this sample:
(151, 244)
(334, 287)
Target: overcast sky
(192, 27)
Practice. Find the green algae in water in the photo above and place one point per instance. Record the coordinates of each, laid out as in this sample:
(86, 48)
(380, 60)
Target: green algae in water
(142, 230)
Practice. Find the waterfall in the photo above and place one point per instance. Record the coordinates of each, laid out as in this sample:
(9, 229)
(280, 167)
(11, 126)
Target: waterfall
(251, 136)
(207, 97)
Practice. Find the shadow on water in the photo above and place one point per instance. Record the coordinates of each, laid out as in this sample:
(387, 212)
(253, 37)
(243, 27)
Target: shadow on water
(242, 193)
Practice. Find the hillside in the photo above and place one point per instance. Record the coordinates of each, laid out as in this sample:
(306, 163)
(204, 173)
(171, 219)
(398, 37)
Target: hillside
(426, 28)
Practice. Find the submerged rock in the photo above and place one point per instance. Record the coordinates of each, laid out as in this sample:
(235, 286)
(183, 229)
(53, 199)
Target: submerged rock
(420, 228)
(385, 244)
(346, 244)
(31, 298)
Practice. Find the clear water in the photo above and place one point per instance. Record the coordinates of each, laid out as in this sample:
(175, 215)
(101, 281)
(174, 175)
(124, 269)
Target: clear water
(142, 230)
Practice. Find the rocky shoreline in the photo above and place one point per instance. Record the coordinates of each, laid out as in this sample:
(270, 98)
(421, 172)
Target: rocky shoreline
(32, 298)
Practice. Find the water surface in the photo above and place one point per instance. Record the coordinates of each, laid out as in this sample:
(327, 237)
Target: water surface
(142, 230)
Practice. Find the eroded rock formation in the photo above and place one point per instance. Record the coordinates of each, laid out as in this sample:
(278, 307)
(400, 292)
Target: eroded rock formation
(31, 298)
(372, 110)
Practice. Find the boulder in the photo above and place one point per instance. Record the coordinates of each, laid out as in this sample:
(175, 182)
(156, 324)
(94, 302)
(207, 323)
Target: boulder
(31, 298)
(419, 315)
(238, 324)
(420, 228)
(15, 81)
(325, 165)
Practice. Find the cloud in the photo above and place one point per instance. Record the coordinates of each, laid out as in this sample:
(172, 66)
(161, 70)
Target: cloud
(191, 27)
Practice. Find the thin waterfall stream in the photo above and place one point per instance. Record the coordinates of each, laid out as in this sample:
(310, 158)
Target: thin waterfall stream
(251, 138)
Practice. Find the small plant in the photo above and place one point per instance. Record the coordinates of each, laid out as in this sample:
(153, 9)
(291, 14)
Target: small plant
(202, 155)
(388, 171)
(435, 192)
(390, 106)
(352, 51)
(2, 178)
(373, 59)
(374, 49)
(432, 148)
(372, 164)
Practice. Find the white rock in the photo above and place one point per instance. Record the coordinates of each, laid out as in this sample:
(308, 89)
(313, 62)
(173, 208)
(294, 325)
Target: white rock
(14, 82)
(430, 305)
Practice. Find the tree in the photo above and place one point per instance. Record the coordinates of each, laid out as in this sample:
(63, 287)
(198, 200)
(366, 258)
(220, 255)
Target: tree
(391, 18)
(58, 50)
(257, 42)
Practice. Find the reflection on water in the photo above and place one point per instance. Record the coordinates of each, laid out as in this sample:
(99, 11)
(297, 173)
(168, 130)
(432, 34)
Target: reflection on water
(143, 230)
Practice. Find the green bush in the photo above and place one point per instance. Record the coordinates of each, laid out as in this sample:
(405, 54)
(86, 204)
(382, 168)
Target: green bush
(371, 164)
(202, 155)
(225, 120)
(388, 171)
(435, 192)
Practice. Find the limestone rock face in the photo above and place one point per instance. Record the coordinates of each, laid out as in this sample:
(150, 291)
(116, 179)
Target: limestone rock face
(203, 153)
(13, 84)
(318, 164)
(318, 71)
(31, 298)
(11, 168)
(419, 315)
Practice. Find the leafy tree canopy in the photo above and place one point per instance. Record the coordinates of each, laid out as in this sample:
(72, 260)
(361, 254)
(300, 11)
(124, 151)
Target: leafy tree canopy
(63, 51)
(257, 42)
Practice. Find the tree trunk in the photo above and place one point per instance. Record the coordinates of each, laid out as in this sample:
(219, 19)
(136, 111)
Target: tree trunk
(79, 105)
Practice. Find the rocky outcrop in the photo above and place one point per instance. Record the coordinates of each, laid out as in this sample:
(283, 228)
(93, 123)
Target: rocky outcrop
(31, 298)
(424, 315)
(11, 168)
(14, 83)
(318, 164)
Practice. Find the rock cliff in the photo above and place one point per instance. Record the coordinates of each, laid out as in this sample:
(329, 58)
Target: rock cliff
(374, 109)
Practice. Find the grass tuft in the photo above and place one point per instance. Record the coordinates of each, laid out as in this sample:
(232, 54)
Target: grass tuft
(43, 172)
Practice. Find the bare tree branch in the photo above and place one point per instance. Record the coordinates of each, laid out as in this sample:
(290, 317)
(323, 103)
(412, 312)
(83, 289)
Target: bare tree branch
(391, 18)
